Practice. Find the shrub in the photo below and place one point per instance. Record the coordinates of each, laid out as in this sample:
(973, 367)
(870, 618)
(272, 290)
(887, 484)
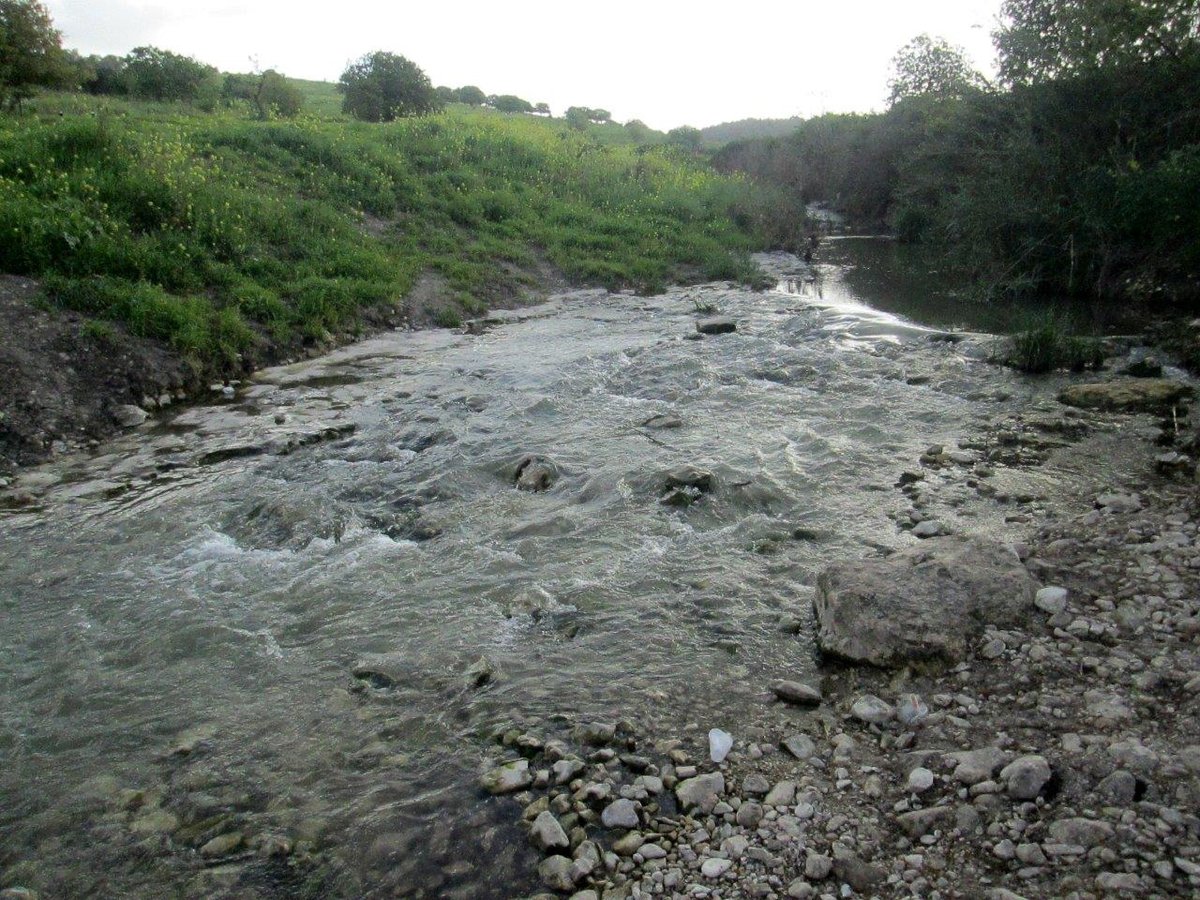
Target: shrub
(381, 87)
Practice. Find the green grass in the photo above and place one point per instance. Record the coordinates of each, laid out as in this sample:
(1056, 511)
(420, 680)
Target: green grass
(1045, 343)
(224, 237)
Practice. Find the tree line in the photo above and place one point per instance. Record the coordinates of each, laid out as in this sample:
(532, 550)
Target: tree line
(1074, 172)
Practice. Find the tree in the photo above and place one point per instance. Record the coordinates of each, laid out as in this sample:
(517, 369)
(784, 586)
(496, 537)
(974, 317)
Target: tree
(154, 74)
(931, 67)
(509, 103)
(600, 116)
(638, 131)
(446, 94)
(31, 52)
(541, 109)
(277, 96)
(1040, 40)
(685, 137)
(106, 75)
(381, 87)
(578, 117)
(470, 95)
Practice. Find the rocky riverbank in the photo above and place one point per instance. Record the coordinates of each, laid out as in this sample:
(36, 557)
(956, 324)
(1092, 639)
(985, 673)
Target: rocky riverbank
(1051, 751)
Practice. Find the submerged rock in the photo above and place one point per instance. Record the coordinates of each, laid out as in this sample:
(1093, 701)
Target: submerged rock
(719, 744)
(923, 603)
(535, 473)
(797, 693)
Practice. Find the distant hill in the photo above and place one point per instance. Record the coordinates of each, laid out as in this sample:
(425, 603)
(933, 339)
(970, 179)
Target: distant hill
(718, 135)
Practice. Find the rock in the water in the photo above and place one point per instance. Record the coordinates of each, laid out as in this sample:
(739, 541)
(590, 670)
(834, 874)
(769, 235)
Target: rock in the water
(222, 845)
(129, 416)
(1130, 395)
(783, 794)
(702, 791)
(719, 744)
(556, 873)
(797, 692)
(480, 672)
(535, 473)
(719, 325)
(507, 778)
(547, 833)
(685, 485)
(923, 603)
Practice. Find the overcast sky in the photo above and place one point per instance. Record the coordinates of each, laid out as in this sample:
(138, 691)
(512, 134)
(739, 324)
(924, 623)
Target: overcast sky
(666, 62)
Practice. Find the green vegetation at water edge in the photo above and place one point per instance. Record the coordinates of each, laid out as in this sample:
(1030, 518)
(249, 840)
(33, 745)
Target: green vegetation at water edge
(1076, 172)
(231, 238)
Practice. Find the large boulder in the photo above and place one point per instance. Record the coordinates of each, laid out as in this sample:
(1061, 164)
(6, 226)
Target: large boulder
(1129, 394)
(920, 604)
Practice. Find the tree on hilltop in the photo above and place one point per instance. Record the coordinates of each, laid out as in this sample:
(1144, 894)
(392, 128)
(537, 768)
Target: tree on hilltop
(509, 103)
(31, 53)
(381, 87)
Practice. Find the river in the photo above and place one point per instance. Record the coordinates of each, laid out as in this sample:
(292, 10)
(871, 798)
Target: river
(184, 611)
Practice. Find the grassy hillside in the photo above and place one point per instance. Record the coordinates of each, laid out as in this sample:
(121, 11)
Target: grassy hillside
(231, 239)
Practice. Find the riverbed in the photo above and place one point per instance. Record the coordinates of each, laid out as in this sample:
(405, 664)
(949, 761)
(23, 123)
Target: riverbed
(261, 616)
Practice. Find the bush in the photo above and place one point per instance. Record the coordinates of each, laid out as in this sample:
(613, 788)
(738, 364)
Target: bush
(154, 74)
(382, 87)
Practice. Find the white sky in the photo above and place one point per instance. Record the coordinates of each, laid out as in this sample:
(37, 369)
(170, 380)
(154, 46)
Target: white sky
(667, 62)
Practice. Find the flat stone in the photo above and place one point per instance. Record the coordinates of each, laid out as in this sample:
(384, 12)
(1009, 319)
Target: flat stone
(620, 814)
(1084, 832)
(1126, 395)
(715, 868)
(718, 325)
(701, 791)
(783, 794)
(129, 416)
(800, 746)
(974, 766)
(920, 822)
(506, 779)
(927, 602)
(222, 845)
(871, 710)
(797, 693)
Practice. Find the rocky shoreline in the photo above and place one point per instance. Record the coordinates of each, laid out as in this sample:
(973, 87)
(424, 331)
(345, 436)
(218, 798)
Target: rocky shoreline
(1055, 753)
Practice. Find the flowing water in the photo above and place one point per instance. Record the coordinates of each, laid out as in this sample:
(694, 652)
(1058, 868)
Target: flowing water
(184, 613)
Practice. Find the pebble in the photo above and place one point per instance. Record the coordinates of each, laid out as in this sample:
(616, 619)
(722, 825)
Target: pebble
(719, 744)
